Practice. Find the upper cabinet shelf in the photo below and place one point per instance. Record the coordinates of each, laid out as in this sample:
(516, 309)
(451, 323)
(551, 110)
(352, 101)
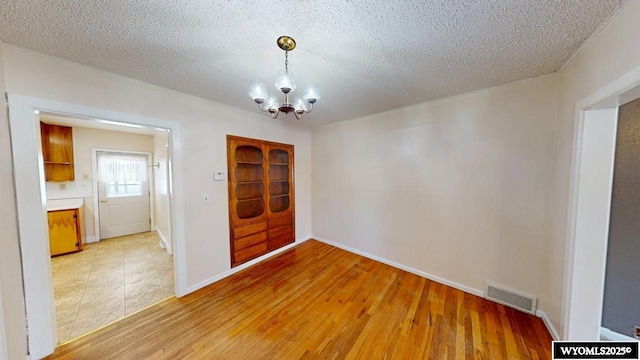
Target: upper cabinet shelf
(57, 151)
(278, 157)
(248, 154)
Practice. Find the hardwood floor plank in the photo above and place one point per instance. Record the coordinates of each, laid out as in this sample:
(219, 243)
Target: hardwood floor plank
(316, 301)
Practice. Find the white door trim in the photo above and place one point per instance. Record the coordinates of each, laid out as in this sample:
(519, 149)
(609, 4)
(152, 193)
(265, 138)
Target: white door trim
(589, 206)
(32, 215)
(96, 204)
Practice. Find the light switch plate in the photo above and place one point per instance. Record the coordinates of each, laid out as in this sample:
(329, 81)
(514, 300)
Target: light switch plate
(218, 176)
(205, 198)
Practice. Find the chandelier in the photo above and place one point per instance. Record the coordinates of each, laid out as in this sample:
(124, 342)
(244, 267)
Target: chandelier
(285, 83)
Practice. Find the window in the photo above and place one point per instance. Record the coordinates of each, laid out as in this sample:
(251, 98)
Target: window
(130, 187)
(123, 174)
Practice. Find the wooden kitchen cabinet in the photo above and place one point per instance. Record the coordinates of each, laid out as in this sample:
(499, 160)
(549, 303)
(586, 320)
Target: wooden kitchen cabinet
(261, 197)
(57, 151)
(65, 231)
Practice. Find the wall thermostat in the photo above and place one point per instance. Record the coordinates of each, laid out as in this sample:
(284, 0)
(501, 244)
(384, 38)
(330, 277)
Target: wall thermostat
(218, 176)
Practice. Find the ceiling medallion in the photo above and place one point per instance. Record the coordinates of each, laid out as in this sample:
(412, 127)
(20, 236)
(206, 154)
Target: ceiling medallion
(285, 83)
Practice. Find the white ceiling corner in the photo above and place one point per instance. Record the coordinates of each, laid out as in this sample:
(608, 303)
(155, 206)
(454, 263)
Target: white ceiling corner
(367, 56)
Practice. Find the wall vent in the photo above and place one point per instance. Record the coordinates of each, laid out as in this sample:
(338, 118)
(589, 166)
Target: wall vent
(510, 298)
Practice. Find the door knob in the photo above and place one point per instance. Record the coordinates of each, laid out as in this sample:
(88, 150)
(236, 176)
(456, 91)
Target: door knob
(103, 200)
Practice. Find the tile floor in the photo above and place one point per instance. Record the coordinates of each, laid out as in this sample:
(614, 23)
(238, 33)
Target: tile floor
(109, 280)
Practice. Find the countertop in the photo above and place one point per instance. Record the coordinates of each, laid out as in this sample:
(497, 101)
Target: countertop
(64, 204)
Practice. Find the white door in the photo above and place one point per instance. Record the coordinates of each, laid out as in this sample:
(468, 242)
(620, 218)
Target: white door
(123, 193)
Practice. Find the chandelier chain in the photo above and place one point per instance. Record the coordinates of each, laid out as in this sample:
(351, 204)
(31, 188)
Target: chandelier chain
(286, 60)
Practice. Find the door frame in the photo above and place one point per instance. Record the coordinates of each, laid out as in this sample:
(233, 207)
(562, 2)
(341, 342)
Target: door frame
(32, 215)
(590, 186)
(96, 204)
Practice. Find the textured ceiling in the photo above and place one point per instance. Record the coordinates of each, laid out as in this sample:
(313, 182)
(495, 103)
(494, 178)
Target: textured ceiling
(367, 56)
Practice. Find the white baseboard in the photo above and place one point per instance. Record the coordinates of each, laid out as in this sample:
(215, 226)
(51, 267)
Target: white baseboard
(547, 322)
(453, 284)
(423, 274)
(234, 270)
(90, 239)
(610, 335)
(163, 239)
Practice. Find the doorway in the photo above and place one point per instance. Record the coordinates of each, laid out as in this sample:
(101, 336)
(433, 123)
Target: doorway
(620, 313)
(32, 216)
(589, 205)
(120, 267)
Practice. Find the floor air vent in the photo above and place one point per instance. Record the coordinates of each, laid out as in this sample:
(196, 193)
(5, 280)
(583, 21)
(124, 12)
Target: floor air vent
(510, 298)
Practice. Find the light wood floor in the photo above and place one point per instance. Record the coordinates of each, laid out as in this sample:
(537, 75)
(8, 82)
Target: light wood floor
(319, 302)
(108, 280)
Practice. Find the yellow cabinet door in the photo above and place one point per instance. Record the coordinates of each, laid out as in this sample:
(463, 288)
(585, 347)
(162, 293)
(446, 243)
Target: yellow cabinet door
(63, 231)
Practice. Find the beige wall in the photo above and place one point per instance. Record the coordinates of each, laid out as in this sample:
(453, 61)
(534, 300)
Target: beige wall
(605, 57)
(12, 311)
(161, 188)
(456, 188)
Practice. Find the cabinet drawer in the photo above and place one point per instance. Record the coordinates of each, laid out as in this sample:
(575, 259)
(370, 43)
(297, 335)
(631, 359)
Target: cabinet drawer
(280, 241)
(280, 221)
(280, 231)
(242, 231)
(250, 252)
(250, 240)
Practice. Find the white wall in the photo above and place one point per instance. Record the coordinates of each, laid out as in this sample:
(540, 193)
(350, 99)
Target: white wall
(12, 305)
(161, 188)
(83, 140)
(204, 126)
(604, 58)
(457, 188)
(4, 354)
